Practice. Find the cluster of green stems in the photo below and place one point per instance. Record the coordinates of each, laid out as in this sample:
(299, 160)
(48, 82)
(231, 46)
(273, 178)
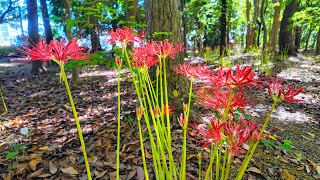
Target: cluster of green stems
(3, 101)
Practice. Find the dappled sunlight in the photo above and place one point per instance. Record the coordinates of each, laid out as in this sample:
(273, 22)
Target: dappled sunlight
(285, 115)
(299, 74)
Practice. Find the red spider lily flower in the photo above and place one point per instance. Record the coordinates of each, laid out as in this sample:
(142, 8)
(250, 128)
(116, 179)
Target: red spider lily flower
(170, 109)
(139, 112)
(238, 134)
(165, 49)
(209, 133)
(278, 91)
(216, 99)
(144, 56)
(192, 71)
(124, 36)
(182, 120)
(56, 50)
(240, 77)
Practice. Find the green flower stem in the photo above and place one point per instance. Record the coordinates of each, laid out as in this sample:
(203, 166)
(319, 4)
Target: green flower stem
(226, 111)
(183, 168)
(224, 164)
(251, 150)
(159, 143)
(171, 163)
(146, 174)
(3, 102)
(119, 129)
(230, 159)
(212, 157)
(218, 154)
(156, 159)
(200, 164)
(75, 115)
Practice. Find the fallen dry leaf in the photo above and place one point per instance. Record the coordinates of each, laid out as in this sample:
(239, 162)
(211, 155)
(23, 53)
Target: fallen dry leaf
(140, 173)
(45, 148)
(131, 174)
(112, 175)
(148, 155)
(307, 169)
(52, 168)
(35, 174)
(69, 170)
(314, 165)
(254, 170)
(8, 176)
(33, 164)
(286, 175)
(100, 175)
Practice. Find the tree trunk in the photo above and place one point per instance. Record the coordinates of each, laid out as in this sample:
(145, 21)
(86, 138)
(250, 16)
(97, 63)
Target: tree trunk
(223, 28)
(318, 42)
(308, 37)
(67, 5)
(254, 21)
(263, 23)
(248, 7)
(275, 24)
(164, 16)
(46, 22)
(297, 37)
(33, 32)
(286, 35)
(184, 26)
(94, 33)
(132, 9)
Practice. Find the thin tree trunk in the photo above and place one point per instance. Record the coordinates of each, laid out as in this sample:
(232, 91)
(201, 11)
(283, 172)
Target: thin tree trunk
(67, 5)
(94, 33)
(318, 42)
(33, 32)
(254, 20)
(297, 37)
(132, 9)
(223, 28)
(286, 36)
(308, 37)
(275, 24)
(248, 7)
(184, 26)
(263, 23)
(46, 22)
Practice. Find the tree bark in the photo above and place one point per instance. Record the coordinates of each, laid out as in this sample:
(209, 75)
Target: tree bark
(318, 42)
(164, 16)
(223, 28)
(248, 7)
(94, 33)
(297, 37)
(275, 24)
(33, 32)
(67, 5)
(263, 23)
(308, 37)
(286, 35)
(132, 9)
(46, 22)
(184, 26)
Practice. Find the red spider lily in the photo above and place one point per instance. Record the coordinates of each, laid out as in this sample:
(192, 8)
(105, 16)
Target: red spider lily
(217, 99)
(56, 50)
(240, 77)
(278, 91)
(238, 134)
(192, 71)
(210, 133)
(123, 36)
(144, 56)
(165, 49)
(182, 120)
(139, 112)
(156, 110)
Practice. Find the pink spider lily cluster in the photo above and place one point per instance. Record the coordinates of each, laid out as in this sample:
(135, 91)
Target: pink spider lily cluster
(222, 91)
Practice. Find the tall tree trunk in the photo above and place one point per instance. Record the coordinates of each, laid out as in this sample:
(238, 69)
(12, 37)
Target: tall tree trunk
(275, 24)
(263, 23)
(164, 16)
(184, 26)
(46, 22)
(223, 28)
(286, 35)
(308, 37)
(94, 33)
(254, 20)
(67, 5)
(33, 32)
(248, 8)
(132, 9)
(318, 42)
(297, 37)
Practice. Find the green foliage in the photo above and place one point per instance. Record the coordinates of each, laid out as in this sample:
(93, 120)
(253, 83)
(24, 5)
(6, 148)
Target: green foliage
(286, 145)
(6, 50)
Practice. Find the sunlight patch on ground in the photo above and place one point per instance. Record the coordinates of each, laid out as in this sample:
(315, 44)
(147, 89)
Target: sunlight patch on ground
(281, 114)
(9, 64)
(302, 75)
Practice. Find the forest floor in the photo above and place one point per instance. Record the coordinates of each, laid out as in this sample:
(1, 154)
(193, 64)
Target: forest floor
(40, 127)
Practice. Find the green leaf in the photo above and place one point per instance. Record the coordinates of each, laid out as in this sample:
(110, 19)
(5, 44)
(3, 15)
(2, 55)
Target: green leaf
(286, 147)
(23, 148)
(287, 141)
(11, 155)
(55, 18)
